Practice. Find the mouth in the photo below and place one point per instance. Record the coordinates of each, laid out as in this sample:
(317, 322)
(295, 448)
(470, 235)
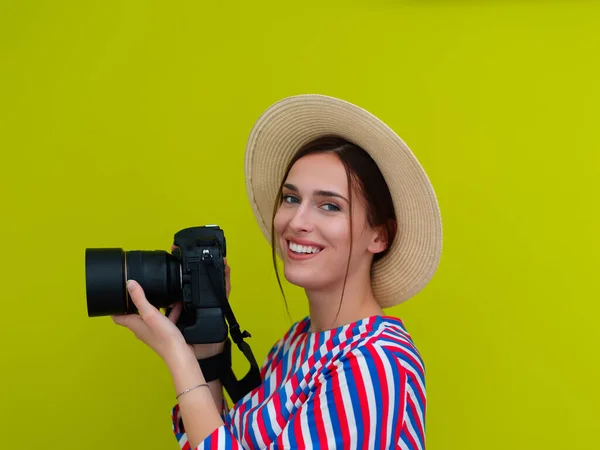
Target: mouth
(301, 251)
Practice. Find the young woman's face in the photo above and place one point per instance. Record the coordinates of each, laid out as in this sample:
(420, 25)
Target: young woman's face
(312, 224)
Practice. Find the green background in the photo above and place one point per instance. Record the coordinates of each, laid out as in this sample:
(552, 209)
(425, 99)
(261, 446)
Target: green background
(122, 122)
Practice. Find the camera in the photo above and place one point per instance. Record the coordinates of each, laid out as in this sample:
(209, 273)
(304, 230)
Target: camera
(193, 273)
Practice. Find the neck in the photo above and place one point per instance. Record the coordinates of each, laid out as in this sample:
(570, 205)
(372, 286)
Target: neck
(357, 303)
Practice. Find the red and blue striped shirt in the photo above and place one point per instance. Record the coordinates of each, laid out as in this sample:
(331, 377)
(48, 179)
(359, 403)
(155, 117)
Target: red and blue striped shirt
(358, 386)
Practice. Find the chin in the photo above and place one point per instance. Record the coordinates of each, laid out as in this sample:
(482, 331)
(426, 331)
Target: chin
(302, 277)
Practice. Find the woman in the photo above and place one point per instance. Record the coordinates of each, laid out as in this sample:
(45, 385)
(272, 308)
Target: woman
(355, 221)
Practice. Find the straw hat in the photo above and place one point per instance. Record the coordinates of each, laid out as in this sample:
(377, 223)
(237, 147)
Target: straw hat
(292, 122)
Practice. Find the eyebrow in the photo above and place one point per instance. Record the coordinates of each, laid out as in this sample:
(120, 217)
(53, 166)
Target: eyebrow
(318, 192)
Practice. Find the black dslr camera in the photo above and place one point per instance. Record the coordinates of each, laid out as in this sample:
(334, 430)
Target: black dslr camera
(194, 274)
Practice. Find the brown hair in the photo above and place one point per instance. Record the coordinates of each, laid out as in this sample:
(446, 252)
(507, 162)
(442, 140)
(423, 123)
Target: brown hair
(364, 175)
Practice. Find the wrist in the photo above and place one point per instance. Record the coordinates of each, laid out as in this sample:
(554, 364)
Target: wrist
(185, 371)
(179, 357)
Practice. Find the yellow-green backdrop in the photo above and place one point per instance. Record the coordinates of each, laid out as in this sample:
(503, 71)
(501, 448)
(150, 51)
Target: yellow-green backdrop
(123, 121)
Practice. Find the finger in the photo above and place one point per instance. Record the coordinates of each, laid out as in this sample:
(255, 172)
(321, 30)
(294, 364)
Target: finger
(227, 268)
(139, 298)
(175, 312)
(125, 320)
(134, 323)
(227, 278)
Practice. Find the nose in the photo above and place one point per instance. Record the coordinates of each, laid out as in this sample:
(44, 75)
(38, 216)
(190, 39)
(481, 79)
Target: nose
(301, 221)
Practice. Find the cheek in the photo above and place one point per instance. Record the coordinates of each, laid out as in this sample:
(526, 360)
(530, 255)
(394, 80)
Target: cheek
(280, 222)
(339, 235)
(337, 232)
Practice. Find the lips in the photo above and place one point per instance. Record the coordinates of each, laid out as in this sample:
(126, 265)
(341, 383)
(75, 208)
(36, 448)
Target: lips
(301, 250)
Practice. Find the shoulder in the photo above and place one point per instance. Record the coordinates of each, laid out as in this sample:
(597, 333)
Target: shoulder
(393, 338)
(383, 351)
(387, 336)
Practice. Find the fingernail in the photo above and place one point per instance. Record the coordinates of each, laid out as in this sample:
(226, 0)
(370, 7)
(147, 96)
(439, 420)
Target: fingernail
(131, 284)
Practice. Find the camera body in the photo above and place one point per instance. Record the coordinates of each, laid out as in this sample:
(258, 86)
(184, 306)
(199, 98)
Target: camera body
(194, 273)
(201, 251)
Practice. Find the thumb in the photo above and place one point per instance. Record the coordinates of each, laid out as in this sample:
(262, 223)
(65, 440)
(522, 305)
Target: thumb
(136, 292)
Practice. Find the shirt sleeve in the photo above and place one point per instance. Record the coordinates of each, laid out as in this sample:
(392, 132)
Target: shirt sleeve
(221, 438)
(360, 401)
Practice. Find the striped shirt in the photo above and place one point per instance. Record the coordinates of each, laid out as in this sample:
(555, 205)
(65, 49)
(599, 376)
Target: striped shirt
(361, 385)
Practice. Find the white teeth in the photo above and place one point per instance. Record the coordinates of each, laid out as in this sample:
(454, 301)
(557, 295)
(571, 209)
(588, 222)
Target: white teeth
(302, 248)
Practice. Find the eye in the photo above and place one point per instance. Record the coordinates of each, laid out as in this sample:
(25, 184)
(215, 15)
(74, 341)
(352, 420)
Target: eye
(331, 207)
(289, 198)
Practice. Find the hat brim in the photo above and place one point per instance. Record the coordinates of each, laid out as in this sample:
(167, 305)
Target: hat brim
(290, 123)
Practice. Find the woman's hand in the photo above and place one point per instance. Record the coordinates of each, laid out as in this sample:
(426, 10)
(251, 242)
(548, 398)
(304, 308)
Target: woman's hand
(153, 328)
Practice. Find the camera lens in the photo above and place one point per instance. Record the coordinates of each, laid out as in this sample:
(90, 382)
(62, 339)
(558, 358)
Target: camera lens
(108, 269)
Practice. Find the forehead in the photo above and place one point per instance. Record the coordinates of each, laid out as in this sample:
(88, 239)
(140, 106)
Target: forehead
(319, 171)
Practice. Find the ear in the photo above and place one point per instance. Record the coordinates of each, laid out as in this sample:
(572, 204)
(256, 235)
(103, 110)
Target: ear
(379, 240)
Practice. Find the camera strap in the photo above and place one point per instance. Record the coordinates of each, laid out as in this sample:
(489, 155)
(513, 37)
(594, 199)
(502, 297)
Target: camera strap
(234, 387)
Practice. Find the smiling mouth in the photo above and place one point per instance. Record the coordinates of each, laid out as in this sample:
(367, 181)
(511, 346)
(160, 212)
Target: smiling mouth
(303, 249)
